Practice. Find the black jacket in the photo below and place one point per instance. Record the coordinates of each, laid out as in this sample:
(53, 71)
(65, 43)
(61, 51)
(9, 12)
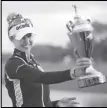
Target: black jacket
(28, 84)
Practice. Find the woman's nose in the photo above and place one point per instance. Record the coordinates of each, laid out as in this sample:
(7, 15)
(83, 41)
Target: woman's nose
(28, 41)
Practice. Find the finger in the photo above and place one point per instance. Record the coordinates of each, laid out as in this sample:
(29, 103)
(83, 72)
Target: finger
(83, 63)
(71, 102)
(83, 66)
(73, 98)
(83, 59)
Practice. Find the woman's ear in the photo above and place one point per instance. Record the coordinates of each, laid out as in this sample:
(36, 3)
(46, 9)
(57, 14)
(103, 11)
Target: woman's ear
(12, 37)
(13, 40)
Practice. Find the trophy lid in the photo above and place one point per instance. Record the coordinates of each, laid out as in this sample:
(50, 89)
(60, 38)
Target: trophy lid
(81, 24)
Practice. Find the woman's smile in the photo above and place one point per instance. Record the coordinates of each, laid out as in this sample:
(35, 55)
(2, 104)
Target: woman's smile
(26, 42)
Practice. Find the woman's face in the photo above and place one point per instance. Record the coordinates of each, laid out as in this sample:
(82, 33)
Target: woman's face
(25, 43)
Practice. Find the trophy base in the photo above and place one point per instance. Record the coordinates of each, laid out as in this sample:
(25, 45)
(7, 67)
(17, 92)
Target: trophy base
(91, 80)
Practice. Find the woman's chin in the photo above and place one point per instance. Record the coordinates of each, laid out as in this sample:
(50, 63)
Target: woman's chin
(26, 47)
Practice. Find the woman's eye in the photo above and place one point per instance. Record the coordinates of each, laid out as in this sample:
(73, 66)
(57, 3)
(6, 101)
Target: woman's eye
(23, 37)
(29, 35)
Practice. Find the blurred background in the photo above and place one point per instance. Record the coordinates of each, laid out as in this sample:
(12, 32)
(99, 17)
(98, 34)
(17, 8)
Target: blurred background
(53, 49)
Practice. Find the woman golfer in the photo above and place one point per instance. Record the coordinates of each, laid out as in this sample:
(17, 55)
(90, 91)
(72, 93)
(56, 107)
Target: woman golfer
(26, 82)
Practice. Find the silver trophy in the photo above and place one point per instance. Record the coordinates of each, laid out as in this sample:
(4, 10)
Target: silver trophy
(80, 34)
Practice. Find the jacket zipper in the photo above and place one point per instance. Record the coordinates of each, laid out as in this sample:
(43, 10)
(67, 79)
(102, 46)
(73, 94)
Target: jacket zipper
(42, 97)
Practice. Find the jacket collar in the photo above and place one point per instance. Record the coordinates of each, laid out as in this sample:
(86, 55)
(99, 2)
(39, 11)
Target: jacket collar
(23, 56)
(20, 54)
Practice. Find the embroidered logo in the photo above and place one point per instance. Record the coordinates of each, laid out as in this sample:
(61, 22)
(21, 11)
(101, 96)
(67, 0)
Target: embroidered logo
(22, 26)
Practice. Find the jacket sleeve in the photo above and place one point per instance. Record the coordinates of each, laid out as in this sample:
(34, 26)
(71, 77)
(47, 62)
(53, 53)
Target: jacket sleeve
(17, 69)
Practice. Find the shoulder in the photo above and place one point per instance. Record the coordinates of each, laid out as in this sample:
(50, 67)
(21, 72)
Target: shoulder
(13, 63)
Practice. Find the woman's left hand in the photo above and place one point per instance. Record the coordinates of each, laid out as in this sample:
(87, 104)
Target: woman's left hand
(67, 102)
(83, 62)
